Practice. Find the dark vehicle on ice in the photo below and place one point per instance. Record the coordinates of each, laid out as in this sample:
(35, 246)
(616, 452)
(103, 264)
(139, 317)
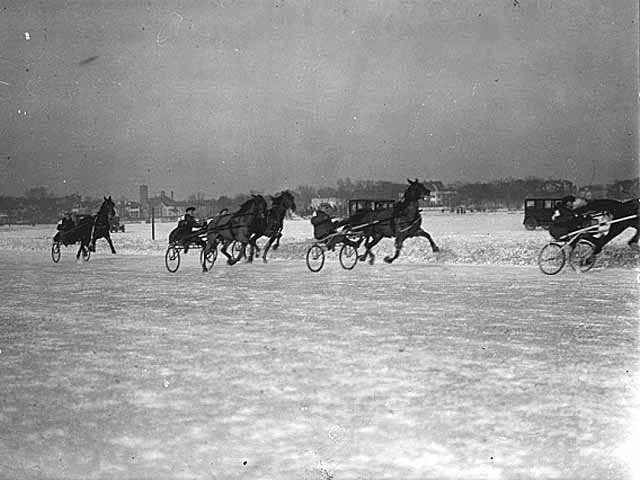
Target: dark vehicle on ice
(115, 225)
(538, 212)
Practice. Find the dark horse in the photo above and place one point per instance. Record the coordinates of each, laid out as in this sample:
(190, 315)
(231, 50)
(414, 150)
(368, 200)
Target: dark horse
(91, 228)
(238, 226)
(623, 215)
(272, 224)
(402, 221)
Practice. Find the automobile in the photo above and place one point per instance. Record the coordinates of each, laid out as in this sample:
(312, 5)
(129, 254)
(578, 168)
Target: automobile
(370, 204)
(538, 212)
(116, 226)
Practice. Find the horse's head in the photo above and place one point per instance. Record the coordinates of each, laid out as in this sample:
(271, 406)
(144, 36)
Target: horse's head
(108, 207)
(286, 199)
(416, 190)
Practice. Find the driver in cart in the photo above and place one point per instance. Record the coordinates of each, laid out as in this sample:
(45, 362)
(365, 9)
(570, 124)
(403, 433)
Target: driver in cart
(185, 233)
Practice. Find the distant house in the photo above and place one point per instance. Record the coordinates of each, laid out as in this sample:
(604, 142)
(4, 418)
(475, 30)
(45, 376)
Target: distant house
(624, 189)
(130, 209)
(166, 208)
(596, 191)
(319, 202)
(440, 196)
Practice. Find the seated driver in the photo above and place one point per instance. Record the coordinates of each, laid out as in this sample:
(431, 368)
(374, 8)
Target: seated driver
(564, 219)
(65, 225)
(324, 228)
(184, 232)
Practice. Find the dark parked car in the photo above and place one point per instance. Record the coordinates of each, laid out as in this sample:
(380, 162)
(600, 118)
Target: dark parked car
(116, 226)
(538, 212)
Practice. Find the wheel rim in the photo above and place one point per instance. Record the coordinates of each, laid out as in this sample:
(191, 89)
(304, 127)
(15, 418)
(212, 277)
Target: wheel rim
(55, 253)
(582, 257)
(315, 258)
(172, 259)
(551, 259)
(236, 250)
(348, 257)
(209, 259)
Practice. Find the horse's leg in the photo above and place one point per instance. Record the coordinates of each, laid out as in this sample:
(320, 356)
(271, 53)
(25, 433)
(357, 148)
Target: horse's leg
(422, 233)
(369, 244)
(223, 250)
(80, 250)
(398, 243)
(633, 241)
(277, 244)
(266, 249)
(108, 237)
(210, 245)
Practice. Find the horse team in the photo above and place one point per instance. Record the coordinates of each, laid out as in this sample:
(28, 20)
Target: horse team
(254, 220)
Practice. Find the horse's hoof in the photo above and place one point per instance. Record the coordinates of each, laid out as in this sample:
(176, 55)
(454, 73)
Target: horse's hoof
(371, 260)
(388, 259)
(436, 249)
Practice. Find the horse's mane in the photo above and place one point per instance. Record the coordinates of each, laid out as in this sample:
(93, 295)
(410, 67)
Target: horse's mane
(246, 205)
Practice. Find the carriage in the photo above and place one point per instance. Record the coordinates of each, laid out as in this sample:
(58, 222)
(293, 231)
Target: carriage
(66, 238)
(85, 230)
(580, 239)
(194, 241)
(224, 224)
(330, 234)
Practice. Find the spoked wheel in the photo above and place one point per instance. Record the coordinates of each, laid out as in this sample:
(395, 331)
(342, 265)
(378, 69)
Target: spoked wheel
(582, 258)
(86, 254)
(348, 256)
(236, 250)
(55, 252)
(315, 258)
(172, 258)
(551, 258)
(209, 259)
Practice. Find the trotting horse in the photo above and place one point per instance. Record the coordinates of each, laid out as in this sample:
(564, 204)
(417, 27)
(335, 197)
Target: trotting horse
(623, 215)
(273, 222)
(93, 227)
(238, 226)
(401, 222)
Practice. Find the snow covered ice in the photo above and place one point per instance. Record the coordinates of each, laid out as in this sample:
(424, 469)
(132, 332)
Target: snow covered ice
(471, 364)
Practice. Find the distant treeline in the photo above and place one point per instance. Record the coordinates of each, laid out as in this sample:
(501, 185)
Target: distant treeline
(38, 205)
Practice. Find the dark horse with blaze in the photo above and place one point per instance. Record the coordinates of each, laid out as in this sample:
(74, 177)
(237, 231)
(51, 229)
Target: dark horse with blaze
(401, 222)
(272, 223)
(91, 228)
(238, 226)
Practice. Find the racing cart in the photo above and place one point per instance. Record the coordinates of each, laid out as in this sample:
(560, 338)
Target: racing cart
(178, 247)
(578, 246)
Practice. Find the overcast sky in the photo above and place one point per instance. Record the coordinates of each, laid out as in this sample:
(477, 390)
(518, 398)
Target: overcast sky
(227, 96)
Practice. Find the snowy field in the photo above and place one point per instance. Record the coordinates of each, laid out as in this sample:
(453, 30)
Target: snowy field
(469, 364)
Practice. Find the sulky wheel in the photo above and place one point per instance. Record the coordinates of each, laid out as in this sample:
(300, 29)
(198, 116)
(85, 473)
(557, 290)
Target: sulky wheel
(551, 258)
(236, 250)
(582, 257)
(315, 258)
(348, 256)
(172, 258)
(207, 260)
(55, 252)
